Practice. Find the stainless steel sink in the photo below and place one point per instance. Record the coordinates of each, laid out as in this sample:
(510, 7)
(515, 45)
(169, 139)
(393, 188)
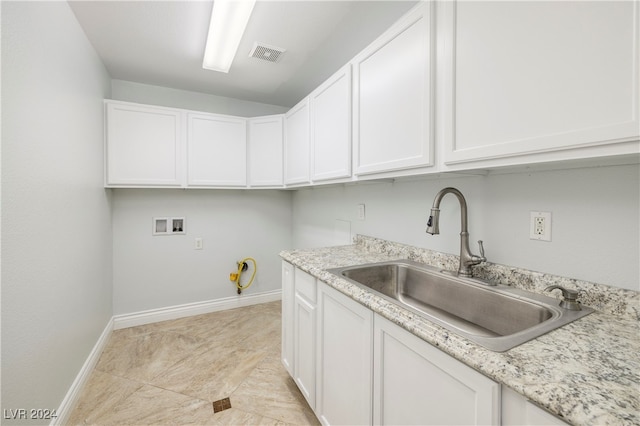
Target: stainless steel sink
(496, 317)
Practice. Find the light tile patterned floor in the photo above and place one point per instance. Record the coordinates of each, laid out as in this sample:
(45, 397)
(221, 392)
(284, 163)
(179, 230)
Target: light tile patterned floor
(171, 372)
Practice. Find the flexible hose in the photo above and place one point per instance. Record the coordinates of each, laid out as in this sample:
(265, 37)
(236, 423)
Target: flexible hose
(238, 275)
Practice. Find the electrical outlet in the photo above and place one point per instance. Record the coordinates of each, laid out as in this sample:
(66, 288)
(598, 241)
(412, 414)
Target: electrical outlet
(540, 228)
(361, 212)
(198, 244)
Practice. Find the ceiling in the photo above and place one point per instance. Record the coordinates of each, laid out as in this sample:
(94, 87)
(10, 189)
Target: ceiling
(162, 43)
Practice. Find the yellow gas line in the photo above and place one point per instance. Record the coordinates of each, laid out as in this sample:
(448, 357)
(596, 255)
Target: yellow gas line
(236, 276)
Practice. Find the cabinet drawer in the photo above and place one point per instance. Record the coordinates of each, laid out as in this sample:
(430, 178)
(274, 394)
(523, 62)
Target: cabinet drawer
(305, 285)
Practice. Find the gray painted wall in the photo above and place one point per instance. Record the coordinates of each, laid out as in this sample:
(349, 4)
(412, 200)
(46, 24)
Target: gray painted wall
(56, 230)
(595, 219)
(156, 272)
(159, 271)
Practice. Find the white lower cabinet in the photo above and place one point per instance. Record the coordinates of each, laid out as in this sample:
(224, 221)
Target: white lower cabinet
(417, 384)
(288, 296)
(304, 332)
(517, 410)
(355, 367)
(345, 349)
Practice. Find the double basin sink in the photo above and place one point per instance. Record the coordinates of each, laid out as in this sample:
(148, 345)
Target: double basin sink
(496, 317)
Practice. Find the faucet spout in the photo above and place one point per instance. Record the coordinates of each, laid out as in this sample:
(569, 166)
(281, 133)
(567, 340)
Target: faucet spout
(467, 259)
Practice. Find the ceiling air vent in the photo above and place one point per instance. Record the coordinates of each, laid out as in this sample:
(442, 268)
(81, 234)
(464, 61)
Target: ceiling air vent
(265, 52)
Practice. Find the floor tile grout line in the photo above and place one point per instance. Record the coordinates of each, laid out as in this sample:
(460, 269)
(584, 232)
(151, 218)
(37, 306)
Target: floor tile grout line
(112, 374)
(265, 355)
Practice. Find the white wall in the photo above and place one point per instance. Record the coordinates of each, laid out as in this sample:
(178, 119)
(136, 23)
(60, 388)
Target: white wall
(159, 271)
(595, 219)
(56, 231)
(164, 96)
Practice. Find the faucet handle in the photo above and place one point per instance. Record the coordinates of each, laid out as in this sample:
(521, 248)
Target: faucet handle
(481, 249)
(569, 297)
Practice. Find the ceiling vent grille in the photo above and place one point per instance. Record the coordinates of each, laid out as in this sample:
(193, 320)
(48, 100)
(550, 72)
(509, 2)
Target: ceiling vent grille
(265, 52)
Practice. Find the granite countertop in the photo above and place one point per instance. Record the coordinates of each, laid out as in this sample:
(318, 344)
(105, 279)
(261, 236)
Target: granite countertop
(587, 372)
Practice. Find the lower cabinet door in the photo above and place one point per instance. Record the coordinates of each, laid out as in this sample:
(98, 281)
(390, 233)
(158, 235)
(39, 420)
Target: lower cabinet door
(417, 384)
(288, 297)
(345, 346)
(518, 411)
(305, 349)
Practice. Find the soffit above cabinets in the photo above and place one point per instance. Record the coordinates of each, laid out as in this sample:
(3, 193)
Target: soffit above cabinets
(162, 43)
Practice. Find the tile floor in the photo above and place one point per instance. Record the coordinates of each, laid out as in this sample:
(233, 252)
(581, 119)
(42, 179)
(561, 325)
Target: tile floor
(171, 372)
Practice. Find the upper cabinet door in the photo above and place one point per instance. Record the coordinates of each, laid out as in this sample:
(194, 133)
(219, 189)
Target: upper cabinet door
(296, 140)
(533, 77)
(331, 127)
(392, 97)
(143, 145)
(217, 150)
(265, 145)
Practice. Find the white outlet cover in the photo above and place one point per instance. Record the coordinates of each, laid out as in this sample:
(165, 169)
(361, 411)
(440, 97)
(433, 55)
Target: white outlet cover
(534, 230)
(198, 244)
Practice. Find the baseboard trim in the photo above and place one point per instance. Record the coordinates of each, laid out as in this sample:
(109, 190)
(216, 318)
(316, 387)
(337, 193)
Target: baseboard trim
(71, 398)
(190, 309)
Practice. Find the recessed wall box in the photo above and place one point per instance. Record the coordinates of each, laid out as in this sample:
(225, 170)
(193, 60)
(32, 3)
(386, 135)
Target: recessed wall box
(178, 225)
(169, 226)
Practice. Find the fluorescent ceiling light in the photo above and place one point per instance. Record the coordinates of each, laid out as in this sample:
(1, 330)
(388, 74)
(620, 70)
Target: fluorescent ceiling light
(228, 21)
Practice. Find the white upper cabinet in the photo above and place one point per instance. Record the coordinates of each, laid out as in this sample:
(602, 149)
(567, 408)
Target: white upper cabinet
(143, 145)
(217, 150)
(264, 156)
(331, 127)
(525, 78)
(491, 83)
(296, 144)
(392, 98)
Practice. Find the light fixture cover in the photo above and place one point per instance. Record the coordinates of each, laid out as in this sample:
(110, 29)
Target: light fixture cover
(229, 19)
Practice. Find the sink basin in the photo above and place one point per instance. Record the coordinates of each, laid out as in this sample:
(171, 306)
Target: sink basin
(496, 317)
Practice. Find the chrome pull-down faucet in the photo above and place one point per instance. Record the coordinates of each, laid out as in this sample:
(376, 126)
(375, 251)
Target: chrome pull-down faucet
(467, 259)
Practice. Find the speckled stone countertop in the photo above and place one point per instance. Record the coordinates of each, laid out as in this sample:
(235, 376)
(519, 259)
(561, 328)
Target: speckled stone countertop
(587, 372)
